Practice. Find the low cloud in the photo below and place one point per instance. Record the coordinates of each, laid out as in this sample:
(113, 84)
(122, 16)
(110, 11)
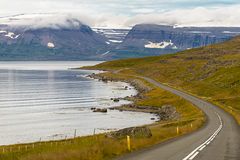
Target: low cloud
(49, 20)
(198, 16)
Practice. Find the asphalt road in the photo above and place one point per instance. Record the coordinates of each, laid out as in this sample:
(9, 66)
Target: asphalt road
(218, 140)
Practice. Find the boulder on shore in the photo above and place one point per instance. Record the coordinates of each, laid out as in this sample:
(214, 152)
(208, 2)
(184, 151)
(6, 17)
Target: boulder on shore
(135, 132)
(168, 112)
(115, 99)
(104, 110)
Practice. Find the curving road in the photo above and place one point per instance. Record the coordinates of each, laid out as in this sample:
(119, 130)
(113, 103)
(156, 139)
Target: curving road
(218, 140)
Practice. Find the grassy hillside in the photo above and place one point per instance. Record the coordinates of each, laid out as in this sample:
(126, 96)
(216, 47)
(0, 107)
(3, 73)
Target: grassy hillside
(212, 72)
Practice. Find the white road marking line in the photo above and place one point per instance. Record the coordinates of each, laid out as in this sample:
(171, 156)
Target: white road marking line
(202, 148)
(193, 156)
(196, 151)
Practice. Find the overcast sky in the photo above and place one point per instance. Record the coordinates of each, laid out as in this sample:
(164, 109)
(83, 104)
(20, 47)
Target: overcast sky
(124, 13)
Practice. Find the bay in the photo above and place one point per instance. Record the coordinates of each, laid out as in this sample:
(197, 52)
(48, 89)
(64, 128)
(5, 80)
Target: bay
(47, 101)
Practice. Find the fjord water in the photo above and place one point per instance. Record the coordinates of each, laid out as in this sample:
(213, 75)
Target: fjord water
(46, 100)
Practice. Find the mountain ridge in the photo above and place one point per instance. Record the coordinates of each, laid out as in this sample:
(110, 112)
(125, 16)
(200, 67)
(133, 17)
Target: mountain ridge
(77, 41)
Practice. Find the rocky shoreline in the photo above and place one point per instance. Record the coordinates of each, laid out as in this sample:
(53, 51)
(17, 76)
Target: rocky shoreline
(166, 112)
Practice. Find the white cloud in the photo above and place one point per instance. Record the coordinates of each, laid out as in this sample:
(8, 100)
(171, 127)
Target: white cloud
(116, 14)
(200, 16)
(53, 20)
(143, 10)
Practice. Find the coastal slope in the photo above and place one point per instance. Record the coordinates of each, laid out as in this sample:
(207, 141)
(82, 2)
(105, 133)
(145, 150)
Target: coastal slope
(209, 72)
(207, 77)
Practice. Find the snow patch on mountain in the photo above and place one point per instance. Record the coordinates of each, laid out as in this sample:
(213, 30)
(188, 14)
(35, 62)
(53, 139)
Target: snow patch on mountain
(115, 41)
(50, 45)
(104, 54)
(113, 35)
(161, 45)
(229, 32)
(11, 35)
(2, 31)
(174, 47)
(199, 32)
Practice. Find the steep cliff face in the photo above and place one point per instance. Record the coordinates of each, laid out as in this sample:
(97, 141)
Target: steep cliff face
(158, 39)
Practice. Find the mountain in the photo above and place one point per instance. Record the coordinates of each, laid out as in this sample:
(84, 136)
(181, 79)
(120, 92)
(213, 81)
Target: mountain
(150, 39)
(59, 43)
(73, 40)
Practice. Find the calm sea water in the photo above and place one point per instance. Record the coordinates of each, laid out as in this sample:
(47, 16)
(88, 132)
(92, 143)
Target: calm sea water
(46, 100)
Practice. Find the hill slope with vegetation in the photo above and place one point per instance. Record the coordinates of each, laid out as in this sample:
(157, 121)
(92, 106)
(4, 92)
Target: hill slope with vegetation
(210, 72)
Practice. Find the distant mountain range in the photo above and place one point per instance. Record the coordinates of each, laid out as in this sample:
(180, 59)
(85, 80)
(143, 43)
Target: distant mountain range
(150, 39)
(81, 42)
